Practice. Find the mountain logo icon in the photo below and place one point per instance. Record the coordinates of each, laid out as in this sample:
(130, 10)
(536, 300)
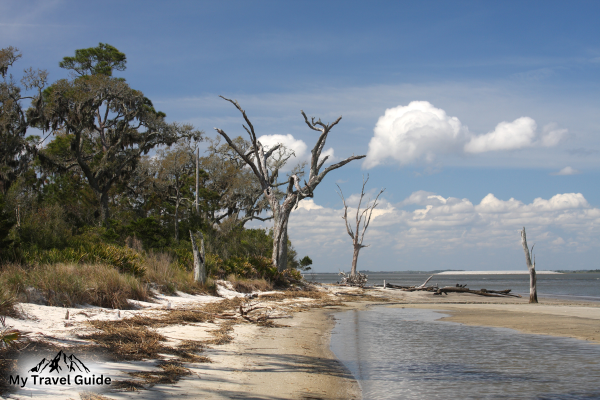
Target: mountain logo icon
(59, 362)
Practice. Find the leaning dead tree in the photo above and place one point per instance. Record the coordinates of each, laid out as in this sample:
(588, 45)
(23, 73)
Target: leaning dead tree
(282, 205)
(363, 218)
(531, 266)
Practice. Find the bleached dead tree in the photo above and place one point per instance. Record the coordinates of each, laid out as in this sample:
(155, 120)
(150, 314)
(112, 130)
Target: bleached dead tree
(363, 217)
(531, 266)
(281, 206)
(199, 258)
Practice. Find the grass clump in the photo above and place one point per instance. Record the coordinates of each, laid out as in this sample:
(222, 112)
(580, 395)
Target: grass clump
(244, 285)
(69, 284)
(167, 275)
(7, 301)
(122, 258)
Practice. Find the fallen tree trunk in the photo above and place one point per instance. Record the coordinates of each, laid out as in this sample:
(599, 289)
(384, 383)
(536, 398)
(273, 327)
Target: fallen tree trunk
(482, 292)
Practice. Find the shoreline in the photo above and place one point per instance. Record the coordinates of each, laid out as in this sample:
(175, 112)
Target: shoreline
(294, 360)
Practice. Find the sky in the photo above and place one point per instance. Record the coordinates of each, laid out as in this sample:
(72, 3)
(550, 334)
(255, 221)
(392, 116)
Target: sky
(478, 118)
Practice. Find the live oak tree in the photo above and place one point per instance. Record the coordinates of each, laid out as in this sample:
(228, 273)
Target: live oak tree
(257, 158)
(16, 150)
(363, 218)
(109, 124)
(174, 181)
(531, 267)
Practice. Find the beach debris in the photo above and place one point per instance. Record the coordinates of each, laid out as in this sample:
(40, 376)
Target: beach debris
(449, 289)
(359, 279)
(412, 288)
(480, 292)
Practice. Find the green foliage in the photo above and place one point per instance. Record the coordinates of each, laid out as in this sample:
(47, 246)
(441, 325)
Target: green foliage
(65, 189)
(305, 263)
(100, 60)
(45, 228)
(123, 259)
(152, 234)
(250, 267)
(6, 223)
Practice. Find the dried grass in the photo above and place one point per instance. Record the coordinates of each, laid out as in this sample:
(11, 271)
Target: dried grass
(294, 294)
(243, 285)
(7, 302)
(70, 284)
(162, 271)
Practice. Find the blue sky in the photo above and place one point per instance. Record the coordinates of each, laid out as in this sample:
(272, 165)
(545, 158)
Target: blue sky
(482, 99)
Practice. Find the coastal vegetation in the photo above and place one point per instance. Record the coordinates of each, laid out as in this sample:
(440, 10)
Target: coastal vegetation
(98, 193)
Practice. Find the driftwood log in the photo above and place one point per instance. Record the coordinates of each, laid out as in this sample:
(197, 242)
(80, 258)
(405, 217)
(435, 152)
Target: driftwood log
(450, 289)
(481, 292)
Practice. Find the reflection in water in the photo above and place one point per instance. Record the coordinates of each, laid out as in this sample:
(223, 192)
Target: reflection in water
(405, 353)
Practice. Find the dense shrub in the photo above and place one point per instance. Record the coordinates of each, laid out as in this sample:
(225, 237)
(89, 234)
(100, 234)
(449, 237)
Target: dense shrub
(152, 234)
(45, 228)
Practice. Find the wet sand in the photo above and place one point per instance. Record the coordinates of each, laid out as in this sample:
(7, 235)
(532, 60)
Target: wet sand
(579, 320)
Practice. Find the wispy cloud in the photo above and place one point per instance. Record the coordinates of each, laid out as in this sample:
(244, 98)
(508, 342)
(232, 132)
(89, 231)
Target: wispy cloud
(566, 171)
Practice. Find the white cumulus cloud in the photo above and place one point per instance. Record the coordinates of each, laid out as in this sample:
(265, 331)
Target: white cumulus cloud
(420, 131)
(416, 131)
(296, 145)
(507, 136)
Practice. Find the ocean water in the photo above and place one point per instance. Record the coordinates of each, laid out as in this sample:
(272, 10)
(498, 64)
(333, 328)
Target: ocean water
(584, 286)
(397, 353)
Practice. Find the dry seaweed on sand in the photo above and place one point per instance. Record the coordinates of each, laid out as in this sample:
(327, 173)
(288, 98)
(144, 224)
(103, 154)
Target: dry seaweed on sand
(92, 396)
(221, 335)
(170, 372)
(126, 341)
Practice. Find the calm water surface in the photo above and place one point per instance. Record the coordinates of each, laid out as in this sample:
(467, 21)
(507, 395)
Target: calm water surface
(398, 353)
(568, 286)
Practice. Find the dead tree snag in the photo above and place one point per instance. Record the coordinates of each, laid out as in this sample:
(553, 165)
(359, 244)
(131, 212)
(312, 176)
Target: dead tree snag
(257, 159)
(531, 266)
(357, 236)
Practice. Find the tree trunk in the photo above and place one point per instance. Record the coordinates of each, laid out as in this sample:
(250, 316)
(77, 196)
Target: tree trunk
(355, 259)
(199, 264)
(177, 221)
(280, 217)
(197, 179)
(532, 286)
(104, 209)
(531, 267)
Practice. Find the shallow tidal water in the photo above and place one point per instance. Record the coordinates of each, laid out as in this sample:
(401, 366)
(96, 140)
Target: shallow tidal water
(569, 286)
(397, 353)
